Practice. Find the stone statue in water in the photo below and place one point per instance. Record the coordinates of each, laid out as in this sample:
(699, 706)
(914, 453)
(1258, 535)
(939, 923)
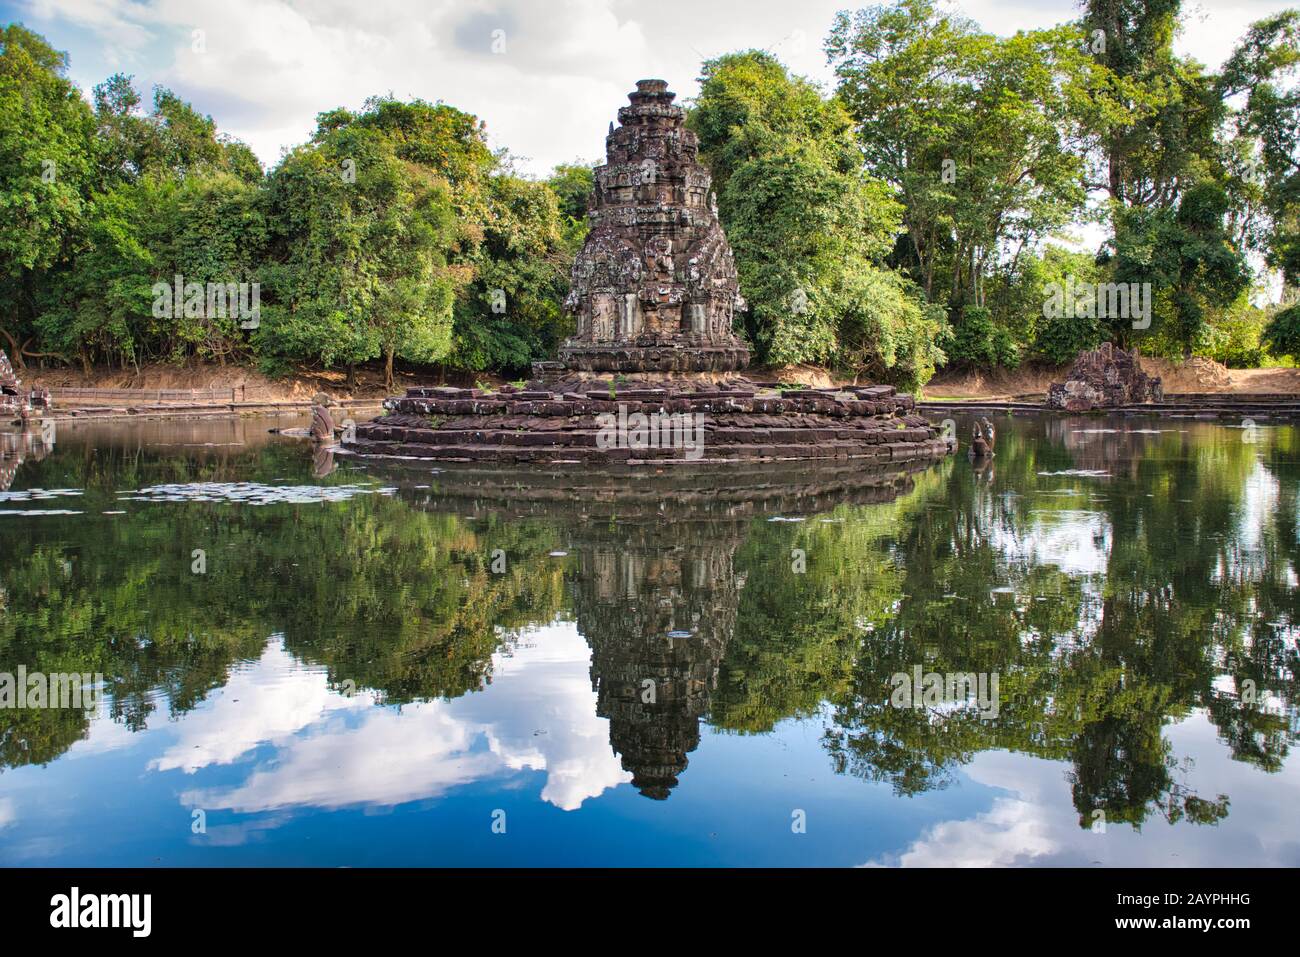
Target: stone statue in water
(982, 440)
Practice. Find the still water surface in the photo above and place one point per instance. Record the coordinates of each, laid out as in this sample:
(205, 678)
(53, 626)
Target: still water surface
(338, 663)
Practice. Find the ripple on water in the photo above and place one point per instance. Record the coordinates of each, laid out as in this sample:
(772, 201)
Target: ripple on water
(251, 493)
(38, 495)
(1125, 431)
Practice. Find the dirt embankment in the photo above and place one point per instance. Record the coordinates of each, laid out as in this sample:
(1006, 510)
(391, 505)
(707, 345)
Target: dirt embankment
(256, 387)
(300, 387)
(1197, 375)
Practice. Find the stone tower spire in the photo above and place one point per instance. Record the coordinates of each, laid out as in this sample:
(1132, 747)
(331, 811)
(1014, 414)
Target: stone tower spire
(654, 288)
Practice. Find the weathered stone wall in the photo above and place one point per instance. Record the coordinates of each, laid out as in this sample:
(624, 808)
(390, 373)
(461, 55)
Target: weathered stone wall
(7, 377)
(13, 401)
(740, 420)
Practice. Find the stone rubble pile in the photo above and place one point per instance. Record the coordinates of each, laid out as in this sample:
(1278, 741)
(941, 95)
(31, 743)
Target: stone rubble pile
(1106, 377)
(16, 403)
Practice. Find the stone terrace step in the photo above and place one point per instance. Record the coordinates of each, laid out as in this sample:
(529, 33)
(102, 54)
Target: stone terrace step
(894, 451)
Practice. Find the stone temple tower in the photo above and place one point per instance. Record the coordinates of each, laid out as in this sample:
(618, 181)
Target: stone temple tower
(654, 295)
(654, 288)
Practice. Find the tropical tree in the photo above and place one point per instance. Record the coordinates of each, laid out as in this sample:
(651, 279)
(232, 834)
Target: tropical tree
(512, 313)
(369, 221)
(808, 228)
(46, 149)
(979, 137)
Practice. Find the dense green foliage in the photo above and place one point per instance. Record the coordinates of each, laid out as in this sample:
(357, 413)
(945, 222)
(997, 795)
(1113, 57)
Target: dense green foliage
(915, 217)
(981, 138)
(808, 228)
(996, 145)
(392, 234)
(366, 218)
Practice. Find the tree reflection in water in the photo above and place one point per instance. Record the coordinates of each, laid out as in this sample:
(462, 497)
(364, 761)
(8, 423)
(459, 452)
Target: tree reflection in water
(1116, 576)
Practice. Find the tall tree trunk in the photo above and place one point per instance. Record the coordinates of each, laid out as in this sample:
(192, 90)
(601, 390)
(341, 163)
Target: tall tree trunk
(15, 349)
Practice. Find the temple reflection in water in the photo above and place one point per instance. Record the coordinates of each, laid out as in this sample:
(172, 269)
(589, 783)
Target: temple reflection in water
(17, 447)
(658, 610)
(655, 592)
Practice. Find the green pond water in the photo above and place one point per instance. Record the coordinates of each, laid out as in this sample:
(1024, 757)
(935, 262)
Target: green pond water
(295, 659)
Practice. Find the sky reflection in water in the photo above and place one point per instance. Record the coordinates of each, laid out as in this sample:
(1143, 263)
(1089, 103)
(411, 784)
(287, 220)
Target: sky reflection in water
(352, 681)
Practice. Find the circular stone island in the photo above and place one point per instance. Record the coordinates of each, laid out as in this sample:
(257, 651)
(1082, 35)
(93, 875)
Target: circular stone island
(580, 419)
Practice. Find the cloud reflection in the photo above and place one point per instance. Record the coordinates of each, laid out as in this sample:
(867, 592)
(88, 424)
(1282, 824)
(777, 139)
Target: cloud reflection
(1033, 823)
(332, 751)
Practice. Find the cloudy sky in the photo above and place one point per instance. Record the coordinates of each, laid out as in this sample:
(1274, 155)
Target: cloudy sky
(546, 75)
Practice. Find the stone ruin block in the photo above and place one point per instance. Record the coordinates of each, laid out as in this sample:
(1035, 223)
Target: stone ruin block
(1107, 377)
(14, 402)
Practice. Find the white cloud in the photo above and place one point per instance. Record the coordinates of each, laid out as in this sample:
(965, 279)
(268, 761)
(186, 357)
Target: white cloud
(1212, 28)
(270, 66)
(1075, 541)
(116, 23)
(103, 735)
(267, 67)
(391, 758)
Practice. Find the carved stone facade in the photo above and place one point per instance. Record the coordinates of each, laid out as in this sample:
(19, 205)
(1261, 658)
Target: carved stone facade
(16, 407)
(8, 379)
(654, 288)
